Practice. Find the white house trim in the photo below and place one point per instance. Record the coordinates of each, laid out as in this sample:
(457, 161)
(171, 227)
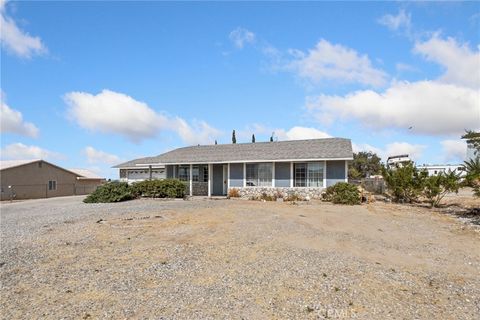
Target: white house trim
(246, 161)
(346, 171)
(210, 180)
(291, 174)
(273, 174)
(324, 174)
(244, 175)
(228, 176)
(191, 179)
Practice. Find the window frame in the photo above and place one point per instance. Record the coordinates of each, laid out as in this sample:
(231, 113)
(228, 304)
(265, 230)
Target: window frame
(52, 185)
(205, 173)
(302, 168)
(180, 175)
(255, 178)
(196, 173)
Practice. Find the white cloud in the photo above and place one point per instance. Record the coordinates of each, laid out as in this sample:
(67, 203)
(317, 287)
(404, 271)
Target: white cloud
(19, 151)
(404, 67)
(454, 150)
(300, 133)
(241, 36)
(327, 61)
(112, 112)
(97, 156)
(199, 133)
(461, 63)
(16, 40)
(324, 62)
(12, 122)
(294, 133)
(401, 20)
(427, 106)
(118, 113)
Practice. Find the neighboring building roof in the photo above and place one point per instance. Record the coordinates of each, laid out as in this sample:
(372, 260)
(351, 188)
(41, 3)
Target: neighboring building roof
(7, 164)
(313, 149)
(86, 174)
(80, 173)
(438, 165)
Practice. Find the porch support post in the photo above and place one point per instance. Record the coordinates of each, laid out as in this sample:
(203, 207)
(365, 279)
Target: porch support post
(291, 174)
(149, 172)
(191, 179)
(273, 174)
(346, 170)
(244, 174)
(210, 180)
(228, 177)
(324, 174)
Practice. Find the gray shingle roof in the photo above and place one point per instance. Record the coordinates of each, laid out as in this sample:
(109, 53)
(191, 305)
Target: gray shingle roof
(330, 148)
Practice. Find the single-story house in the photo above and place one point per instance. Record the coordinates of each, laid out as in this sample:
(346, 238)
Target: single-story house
(34, 179)
(305, 167)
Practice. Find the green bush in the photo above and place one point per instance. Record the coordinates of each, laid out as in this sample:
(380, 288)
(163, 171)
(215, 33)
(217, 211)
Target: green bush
(111, 192)
(342, 193)
(167, 188)
(472, 179)
(404, 182)
(436, 187)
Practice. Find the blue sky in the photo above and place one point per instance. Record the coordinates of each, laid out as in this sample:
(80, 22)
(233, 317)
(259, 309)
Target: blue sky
(91, 84)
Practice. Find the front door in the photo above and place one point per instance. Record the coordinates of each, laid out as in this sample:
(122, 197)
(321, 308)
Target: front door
(225, 179)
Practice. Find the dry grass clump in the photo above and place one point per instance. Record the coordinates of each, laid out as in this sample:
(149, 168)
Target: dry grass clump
(234, 193)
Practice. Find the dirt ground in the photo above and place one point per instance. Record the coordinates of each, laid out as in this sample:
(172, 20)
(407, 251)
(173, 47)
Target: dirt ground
(246, 260)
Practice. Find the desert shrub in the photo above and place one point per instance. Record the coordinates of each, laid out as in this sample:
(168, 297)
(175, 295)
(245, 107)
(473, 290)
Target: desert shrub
(146, 188)
(234, 193)
(167, 188)
(436, 187)
(472, 179)
(111, 192)
(293, 197)
(267, 197)
(404, 182)
(342, 193)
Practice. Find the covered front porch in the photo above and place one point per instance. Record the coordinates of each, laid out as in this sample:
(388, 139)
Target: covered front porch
(215, 179)
(202, 179)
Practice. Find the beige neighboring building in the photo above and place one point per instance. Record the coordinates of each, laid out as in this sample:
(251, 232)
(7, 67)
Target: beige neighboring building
(34, 179)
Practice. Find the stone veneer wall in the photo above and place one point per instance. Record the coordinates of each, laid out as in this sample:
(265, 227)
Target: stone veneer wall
(199, 188)
(302, 193)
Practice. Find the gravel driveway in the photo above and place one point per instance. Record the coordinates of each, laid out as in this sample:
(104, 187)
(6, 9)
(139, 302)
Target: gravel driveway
(61, 258)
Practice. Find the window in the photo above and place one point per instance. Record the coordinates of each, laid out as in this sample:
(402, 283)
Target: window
(199, 173)
(195, 173)
(184, 173)
(315, 174)
(308, 174)
(259, 174)
(205, 173)
(300, 174)
(52, 185)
